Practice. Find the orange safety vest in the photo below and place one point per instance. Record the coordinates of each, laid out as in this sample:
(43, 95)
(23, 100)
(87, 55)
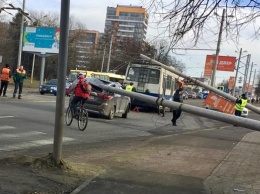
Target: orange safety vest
(5, 74)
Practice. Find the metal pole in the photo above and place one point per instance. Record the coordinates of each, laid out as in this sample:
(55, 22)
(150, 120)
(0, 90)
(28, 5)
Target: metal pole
(21, 37)
(218, 50)
(109, 55)
(246, 71)
(196, 82)
(238, 62)
(231, 119)
(62, 69)
(32, 68)
(42, 69)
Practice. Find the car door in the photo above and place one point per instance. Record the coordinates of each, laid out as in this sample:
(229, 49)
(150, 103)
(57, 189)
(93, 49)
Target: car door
(117, 99)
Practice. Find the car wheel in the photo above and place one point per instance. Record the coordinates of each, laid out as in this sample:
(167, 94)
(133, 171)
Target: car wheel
(41, 93)
(126, 112)
(111, 113)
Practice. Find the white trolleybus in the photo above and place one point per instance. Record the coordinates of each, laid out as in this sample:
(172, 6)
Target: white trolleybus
(152, 80)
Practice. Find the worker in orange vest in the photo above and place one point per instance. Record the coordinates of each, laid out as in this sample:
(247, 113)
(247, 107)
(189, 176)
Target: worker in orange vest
(5, 77)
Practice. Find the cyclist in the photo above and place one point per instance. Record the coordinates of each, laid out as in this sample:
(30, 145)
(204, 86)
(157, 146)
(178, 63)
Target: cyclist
(81, 93)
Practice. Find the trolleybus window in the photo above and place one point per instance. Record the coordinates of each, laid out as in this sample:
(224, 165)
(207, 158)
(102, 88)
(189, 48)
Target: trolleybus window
(143, 75)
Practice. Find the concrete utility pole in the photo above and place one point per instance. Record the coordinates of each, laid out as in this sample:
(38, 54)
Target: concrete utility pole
(21, 37)
(218, 50)
(250, 74)
(246, 72)
(231, 119)
(62, 69)
(196, 82)
(253, 81)
(102, 65)
(110, 50)
(238, 62)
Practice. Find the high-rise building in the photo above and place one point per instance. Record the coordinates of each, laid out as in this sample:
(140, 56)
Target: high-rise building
(126, 22)
(125, 29)
(85, 42)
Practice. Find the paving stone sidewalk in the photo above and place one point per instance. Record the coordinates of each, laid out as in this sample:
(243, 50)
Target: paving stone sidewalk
(239, 172)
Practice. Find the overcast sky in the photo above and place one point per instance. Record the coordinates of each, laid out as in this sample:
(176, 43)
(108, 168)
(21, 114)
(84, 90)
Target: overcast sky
(93, 13)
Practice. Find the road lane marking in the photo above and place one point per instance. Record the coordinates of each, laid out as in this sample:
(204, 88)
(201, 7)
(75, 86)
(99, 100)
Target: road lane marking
(4, 127)
(32, 144)
(3, 117)
(43, 101)
(19, 135)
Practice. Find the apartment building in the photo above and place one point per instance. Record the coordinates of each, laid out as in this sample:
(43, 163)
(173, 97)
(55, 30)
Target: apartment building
(126, 22)
(85, 42)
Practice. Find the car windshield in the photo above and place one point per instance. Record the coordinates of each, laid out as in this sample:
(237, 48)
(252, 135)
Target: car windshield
(52, 82)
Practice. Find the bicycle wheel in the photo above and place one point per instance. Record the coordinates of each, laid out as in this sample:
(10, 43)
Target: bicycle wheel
(83, 119)
(68, 116)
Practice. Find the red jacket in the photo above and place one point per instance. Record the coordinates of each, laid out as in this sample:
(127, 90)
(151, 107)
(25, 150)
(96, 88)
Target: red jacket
(79, 90)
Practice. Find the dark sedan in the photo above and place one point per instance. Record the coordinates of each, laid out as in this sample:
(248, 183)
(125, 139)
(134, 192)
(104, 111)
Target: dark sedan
(50, 87)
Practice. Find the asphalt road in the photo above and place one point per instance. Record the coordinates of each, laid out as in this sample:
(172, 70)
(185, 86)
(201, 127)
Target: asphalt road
(29, 123)
(27, 127)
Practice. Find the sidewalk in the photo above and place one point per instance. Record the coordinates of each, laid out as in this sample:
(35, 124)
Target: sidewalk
(163, 166)
(239, 172)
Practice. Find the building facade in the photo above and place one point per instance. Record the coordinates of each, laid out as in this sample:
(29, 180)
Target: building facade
(127, 22)
(85, 43)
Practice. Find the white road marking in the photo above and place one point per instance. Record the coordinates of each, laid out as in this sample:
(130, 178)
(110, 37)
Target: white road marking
(43, 101)
(19, 135)
(4, 127)
(3, 117)
(31, 144)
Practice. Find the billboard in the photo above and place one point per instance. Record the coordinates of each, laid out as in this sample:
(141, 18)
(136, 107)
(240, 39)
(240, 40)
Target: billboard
(220, 103)
(40, 39)
(225, 63)
(231, 82)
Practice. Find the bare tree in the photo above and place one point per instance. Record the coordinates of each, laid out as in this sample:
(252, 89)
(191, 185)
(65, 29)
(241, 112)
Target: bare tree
(182, 18)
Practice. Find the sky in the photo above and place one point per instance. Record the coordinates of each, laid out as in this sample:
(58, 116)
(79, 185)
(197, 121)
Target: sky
(93, 14)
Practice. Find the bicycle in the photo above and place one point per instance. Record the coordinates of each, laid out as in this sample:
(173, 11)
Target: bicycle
(81, 115)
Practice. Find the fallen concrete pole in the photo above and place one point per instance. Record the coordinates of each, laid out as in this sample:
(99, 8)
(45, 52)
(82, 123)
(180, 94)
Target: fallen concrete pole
(218, 116)
(196, 82)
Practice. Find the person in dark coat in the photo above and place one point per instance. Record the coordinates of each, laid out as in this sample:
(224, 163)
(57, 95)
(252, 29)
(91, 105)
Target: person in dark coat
(177, 97)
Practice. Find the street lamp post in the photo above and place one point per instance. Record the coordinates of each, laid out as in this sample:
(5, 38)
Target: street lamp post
(218, 49)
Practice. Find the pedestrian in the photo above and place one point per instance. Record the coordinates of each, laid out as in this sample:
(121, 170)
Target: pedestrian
(5, 77)
(81, 93)
(124, 85)
(129, 87)
(240, 105)
(177, 97)
(18, 77)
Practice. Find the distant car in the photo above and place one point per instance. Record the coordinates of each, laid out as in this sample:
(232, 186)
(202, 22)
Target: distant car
(185, 95)
(105, 103)
(244, 113)
(50, 87)
(192, 95)
(199, 95)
